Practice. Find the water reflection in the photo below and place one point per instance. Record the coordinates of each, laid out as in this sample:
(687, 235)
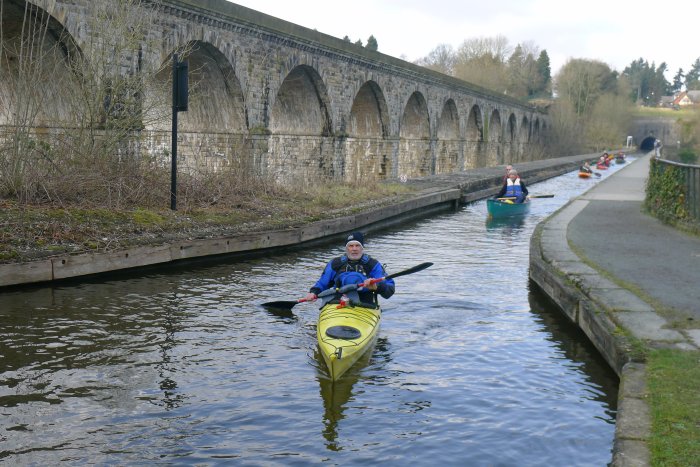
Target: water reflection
(285, 315)
(335, 396)
(508, 225)
(570, 339)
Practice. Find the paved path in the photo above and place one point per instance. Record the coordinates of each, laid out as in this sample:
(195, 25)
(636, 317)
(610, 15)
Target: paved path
(613, 232)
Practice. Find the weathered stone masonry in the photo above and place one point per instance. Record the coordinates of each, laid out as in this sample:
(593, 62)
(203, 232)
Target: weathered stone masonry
(293, 102)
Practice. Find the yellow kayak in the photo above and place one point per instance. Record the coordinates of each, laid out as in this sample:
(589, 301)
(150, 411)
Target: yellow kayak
(345, 334)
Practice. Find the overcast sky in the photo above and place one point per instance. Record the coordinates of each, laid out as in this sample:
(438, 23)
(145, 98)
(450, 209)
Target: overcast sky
(613, 31)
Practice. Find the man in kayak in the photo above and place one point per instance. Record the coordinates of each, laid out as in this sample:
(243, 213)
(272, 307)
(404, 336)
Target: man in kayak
(513, 187)
(586, 167)
(354, 267)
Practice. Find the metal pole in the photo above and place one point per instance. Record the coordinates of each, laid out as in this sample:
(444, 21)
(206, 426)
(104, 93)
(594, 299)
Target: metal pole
(173, 164)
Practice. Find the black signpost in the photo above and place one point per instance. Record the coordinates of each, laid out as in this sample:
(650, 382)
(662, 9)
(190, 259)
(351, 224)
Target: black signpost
(180, 93)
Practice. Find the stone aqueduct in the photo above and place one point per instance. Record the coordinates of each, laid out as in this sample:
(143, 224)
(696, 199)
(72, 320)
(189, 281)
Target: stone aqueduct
(294, 102)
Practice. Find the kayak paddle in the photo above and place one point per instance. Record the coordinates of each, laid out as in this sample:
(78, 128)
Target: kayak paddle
(507, 198)
(284, 304)
(350, 287)
(288, 304)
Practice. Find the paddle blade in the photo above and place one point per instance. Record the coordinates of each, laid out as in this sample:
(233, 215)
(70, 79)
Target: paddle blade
(281, 305)
(540, 196)
(416, 268)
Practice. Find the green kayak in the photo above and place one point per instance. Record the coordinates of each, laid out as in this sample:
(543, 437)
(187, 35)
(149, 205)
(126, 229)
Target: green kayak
(505, 208)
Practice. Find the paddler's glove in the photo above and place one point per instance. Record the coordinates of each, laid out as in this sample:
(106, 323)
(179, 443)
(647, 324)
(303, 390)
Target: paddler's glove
(310, 297)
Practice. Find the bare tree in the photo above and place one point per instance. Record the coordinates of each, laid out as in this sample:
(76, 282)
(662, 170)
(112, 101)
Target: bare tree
(483, 61)
(91, 103)
(30, 63)
(441, 58)
(497, 48)
(566, 130)
(592, 110)
(608, 121)
(582, 81)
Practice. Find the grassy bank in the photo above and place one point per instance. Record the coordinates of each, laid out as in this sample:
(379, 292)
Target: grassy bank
(674, 398)
(33, 231)
(661, 112)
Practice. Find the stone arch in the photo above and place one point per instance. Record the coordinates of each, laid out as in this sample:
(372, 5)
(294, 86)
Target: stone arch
(415, 120)
(448, 123)
(299, 145)
(523, 138)
(212, 132)
(511, 138)
(369, 115)
(367, 151)
(414, 138)
(495, 153)
(216, 101)
(474, 156)
(448, 144)
(525, 130)
(46, 88)
(301, 105)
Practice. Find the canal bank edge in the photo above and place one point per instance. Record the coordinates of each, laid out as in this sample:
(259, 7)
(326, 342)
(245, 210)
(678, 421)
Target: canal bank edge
(437, 193)
(606, 313)
(567, 281)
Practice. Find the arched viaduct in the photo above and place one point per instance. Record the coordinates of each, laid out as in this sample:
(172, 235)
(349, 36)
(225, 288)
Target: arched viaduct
(273, 96)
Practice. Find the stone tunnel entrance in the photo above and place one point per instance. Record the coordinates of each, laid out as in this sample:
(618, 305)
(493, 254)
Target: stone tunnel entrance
(647, 144)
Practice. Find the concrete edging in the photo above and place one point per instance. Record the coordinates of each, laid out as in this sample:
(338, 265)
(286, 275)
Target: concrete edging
(584, 296)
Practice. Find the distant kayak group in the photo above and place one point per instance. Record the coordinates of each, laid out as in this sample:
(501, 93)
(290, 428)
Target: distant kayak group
(602, 163)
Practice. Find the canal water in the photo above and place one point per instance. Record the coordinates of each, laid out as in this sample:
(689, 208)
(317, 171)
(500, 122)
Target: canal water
(183, 366)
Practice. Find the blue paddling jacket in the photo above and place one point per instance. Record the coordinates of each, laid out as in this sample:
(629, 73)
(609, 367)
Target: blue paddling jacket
(341, 271)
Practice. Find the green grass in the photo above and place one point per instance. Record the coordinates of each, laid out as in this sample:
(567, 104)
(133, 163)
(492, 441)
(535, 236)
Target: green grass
(661, 112)
(674, 399)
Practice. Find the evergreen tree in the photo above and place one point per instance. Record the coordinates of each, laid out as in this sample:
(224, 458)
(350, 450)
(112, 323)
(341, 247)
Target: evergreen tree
(372, 43)
(659, 85)
(678, 81)
(346, 39)
(692, 78)
(647, 82)
(545, 72)
(358, 42)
